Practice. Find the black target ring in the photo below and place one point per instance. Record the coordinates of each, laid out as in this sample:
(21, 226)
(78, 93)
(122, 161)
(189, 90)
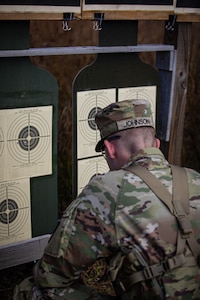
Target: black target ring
(91, 117)
(8, 211)
(28, 138)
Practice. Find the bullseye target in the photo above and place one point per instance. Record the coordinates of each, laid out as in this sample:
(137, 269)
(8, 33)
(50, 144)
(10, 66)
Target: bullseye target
(15, 216)
(28, 138)
(8, 211)
(27, 142)
(142, 92)
(87, 168)
(88, 104)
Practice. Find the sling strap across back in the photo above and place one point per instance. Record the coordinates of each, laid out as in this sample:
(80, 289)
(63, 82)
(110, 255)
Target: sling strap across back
(178, 205)
(177, 202)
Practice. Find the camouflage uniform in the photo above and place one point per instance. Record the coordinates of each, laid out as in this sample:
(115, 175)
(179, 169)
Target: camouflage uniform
(118, 209)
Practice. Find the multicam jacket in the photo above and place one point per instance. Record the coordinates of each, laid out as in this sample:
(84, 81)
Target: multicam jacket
(118, 209)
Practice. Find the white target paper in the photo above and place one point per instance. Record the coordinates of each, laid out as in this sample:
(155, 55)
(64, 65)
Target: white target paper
(2, 145)
(142, 92)
(88, 104)
(87, 168)
(25, 142)
(15, 212)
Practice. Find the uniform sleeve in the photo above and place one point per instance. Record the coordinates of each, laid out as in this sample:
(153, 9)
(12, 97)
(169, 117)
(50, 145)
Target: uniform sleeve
(194, 184)
(86, 232)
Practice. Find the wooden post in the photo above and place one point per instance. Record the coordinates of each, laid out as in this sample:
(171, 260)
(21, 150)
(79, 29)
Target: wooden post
(180, 93)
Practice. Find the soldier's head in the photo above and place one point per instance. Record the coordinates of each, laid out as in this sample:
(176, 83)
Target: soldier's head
(125, 127)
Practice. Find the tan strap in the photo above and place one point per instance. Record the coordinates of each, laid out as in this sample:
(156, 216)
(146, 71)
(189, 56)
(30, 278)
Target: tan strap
(156, 270)
(181, 196)
(180, 188)
(181, 200)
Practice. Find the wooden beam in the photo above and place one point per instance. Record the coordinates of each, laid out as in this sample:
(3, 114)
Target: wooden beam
(30, 16)
(189, 17)
(34, 16)
(22, 252)
(180, 93)
(108, 15)
(129, 15)
(142, 15)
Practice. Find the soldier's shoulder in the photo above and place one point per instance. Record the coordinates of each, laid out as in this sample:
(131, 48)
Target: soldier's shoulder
(107, 177)
(193, 175)
(105, 181)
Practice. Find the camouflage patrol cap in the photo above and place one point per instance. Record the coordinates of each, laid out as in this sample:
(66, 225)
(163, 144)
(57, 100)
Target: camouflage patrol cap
(121, 116)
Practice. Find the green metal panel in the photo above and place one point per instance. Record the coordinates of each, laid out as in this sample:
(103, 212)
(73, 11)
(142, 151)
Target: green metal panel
(22, 85)
(115, 70)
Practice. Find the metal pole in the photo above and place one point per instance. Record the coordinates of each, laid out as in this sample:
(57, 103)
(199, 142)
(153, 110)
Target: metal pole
(84, 50)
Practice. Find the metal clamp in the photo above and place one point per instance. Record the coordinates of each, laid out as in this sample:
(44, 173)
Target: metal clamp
(170, 26)
(98, 19)
(67, 17)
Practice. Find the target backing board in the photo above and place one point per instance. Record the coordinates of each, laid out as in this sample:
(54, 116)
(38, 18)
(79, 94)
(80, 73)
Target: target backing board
(88, 104)
(142, 92)
(15, 211)
(25, 142)
(87, 168)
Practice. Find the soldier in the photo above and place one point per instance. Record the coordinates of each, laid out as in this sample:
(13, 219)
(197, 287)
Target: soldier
(119, 211)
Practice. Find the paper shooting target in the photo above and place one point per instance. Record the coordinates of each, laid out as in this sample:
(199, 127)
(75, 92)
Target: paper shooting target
(2, 145)
(27, 142)
(87, 168)
(15, 216)
(88, 104)
(28, 138)
(142, 92)
(1, 132)
(1, 150)
(1, 141)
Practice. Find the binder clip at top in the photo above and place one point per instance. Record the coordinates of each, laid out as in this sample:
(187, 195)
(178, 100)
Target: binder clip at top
(98, 19)
(67, 17)
(170, 25)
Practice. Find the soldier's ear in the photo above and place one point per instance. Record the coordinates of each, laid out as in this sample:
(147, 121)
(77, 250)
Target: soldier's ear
(110, 148)
(157, 143)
